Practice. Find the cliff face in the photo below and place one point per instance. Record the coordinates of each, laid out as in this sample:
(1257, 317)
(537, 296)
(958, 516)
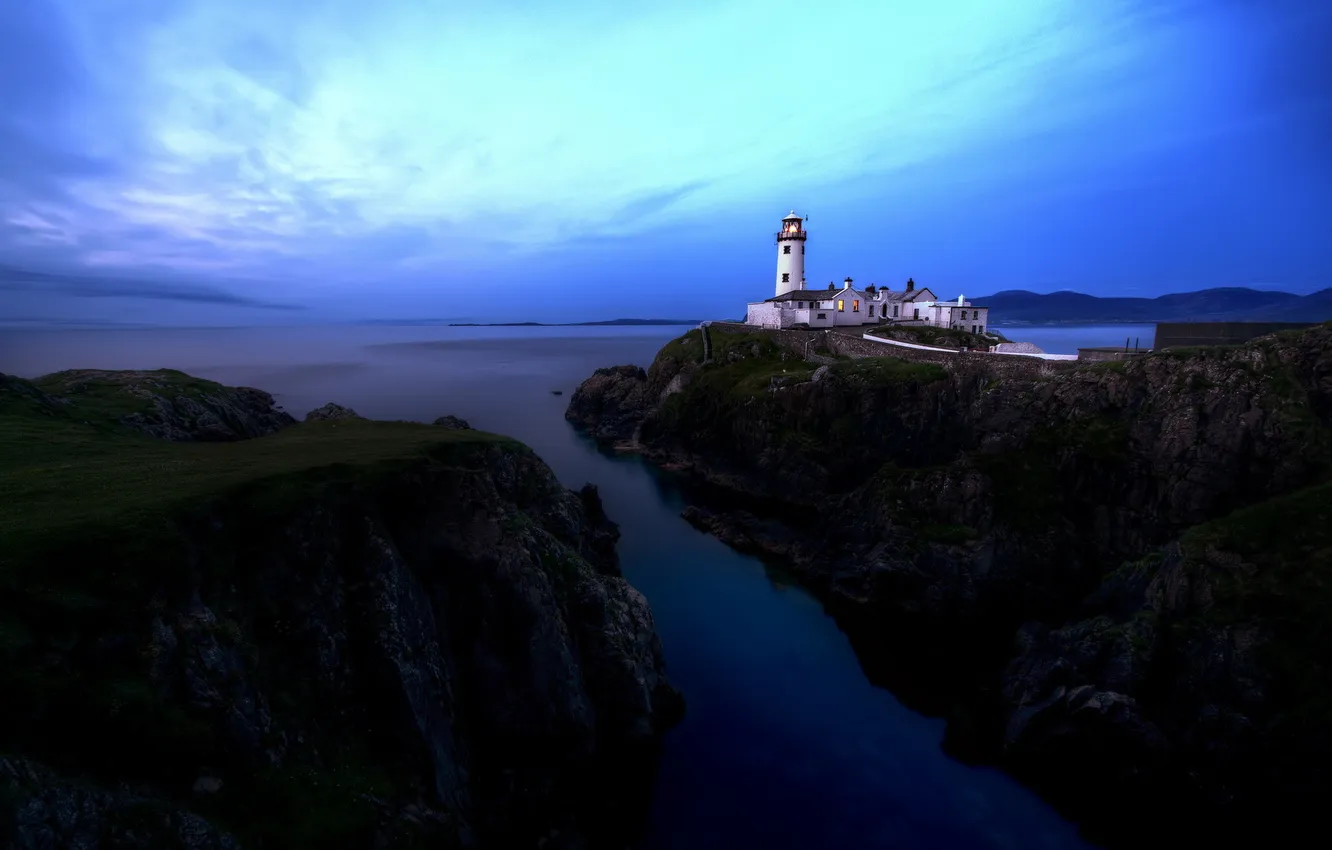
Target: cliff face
(426, 642)
(1056, 545)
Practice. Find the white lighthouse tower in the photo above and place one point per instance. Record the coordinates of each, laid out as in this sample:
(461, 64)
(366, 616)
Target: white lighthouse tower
(791, 254)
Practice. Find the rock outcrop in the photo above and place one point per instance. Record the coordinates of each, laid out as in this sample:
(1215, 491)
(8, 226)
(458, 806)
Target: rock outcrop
(162, 403)
(1023, 534)
(431, 648)
(452, 422)
(331, 412)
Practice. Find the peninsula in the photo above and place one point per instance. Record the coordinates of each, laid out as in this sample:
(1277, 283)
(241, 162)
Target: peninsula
(220, 627)
(1111, 578)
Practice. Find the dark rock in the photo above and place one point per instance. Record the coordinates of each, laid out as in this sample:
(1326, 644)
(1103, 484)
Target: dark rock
(1004, 529)
(611, 403)
(447, 656)
(171, 405)
(45, 810)
(331, 412)
(452, 422)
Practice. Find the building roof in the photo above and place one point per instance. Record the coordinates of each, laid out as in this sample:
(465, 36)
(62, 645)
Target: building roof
(792, 217)
(901, 294)
(819, 295)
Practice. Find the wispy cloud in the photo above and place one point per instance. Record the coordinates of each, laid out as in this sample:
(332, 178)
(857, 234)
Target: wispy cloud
(30, 282)
(330, 143)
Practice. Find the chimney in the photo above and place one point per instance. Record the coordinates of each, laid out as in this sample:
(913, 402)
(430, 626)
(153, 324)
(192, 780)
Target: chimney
(911, 285)
(830, 285)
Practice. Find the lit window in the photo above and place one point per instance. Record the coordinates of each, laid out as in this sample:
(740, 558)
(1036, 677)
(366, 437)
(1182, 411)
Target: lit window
(855, 306)
(841, 305)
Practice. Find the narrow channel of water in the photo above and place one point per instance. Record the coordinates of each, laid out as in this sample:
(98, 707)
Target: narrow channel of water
(785, 743)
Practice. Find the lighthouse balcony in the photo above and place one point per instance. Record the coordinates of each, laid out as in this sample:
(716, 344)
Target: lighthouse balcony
(791, 234)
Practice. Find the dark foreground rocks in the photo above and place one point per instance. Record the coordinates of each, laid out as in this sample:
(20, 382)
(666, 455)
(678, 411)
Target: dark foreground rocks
(426, 643)
(1112, 579)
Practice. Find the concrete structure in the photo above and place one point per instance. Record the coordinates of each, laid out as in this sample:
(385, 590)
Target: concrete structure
(790, 255)
(1171, 334)
(1104, 353)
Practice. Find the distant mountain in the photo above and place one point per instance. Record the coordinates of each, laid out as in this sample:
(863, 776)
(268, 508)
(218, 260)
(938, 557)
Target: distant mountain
(1225, 304)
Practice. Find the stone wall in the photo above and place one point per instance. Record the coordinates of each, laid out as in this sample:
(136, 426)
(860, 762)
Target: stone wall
(849, 342)
(1218, 333)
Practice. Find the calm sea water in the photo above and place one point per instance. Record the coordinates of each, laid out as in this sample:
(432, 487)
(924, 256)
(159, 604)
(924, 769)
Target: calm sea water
(1056, 339)
(785, 743)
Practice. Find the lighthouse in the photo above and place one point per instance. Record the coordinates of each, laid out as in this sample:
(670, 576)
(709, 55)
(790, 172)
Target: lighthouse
(791, 254)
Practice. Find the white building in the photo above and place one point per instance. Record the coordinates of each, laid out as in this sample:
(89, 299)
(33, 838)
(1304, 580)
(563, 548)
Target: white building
(796, 305)
(960, 315)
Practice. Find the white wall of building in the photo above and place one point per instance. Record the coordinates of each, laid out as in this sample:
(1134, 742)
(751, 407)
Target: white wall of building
(949, 314)
(763, 314)
(791, 264)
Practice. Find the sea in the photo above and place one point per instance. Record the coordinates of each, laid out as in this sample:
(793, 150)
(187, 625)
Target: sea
(785, 745)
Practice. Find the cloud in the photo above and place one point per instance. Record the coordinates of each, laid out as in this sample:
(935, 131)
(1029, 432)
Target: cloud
(334, 144)
(654, 202)
(33, 282)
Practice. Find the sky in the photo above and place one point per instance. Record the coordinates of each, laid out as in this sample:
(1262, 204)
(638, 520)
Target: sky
(287, 161)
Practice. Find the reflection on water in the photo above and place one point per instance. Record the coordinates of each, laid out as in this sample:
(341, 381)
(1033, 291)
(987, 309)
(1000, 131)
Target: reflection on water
(785, 743)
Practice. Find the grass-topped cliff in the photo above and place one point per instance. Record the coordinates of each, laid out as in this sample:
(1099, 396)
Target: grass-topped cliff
(940, 337)
(1112, 571)
(340, 633)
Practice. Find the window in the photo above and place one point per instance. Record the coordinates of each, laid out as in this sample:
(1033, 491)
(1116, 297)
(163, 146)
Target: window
(802, 249)
(800, 304)
(786, 277)
(975, 314)
(823, 315)
(841, 305)
(786, 249)
(871, 311)
(855, 305)
(894, 311)
(917, 313)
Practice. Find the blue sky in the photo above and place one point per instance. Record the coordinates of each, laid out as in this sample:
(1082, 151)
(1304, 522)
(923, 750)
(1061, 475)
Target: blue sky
(300, 160)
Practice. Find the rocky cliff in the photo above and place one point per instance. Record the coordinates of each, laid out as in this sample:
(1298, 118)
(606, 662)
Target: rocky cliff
(343, 634)
(162, 403)
(1111, 578)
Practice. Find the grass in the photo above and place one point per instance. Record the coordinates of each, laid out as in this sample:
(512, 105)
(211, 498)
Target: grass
(59, 475)
(101, 397)
(889, 371)
(943, 337)
(1287, 543)
(90, 535)
(1189, 352)
(687, 347)
(1028, 486)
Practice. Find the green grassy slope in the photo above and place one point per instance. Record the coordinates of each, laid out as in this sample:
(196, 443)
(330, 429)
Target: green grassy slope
(65, 468)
